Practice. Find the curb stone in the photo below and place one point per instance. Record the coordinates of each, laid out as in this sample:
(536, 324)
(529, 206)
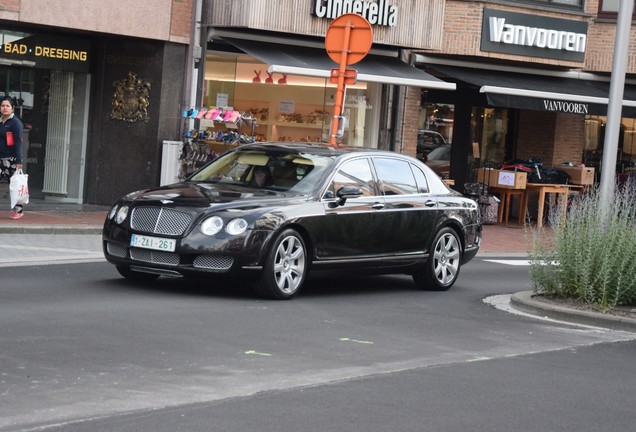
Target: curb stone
(49, 229)
(525, 302)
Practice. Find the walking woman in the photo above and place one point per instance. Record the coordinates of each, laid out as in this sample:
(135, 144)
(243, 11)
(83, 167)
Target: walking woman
(10, 145)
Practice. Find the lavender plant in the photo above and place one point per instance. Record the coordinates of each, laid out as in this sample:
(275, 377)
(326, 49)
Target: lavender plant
(593, 256)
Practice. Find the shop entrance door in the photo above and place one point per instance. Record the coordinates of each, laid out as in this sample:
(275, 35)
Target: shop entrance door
(66, 137)
(489, 128)
(59, 133)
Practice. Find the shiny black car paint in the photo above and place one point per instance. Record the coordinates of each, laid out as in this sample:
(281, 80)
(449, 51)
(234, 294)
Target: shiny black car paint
(390, 233)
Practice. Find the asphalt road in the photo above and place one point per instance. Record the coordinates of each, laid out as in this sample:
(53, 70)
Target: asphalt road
(84, 350)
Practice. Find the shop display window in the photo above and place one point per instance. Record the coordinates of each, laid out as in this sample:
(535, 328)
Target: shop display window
(288, 107)
(52, 105)
(594, 143)
(489, 129)
(435, 136)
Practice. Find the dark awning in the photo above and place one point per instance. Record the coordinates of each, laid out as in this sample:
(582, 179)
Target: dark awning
(301, 60)
(541, 92)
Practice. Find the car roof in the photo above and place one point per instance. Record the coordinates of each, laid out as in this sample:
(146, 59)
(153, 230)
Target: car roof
(319, 149)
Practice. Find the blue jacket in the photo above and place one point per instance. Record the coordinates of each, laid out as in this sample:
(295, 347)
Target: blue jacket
(13, 125)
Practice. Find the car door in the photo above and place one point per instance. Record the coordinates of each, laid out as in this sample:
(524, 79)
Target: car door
(352, 229)
(411, 211)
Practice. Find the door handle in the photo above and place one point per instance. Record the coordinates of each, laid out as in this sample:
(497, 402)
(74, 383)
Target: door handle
(377, 206)
(430, 203)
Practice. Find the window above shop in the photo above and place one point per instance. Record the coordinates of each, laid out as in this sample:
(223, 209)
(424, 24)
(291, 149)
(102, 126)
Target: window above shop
(609, 9)
(569, 4)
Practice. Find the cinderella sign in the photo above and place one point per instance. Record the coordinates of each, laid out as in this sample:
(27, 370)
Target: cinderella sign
(377, 13)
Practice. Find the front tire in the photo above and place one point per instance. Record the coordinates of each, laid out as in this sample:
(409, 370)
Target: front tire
(285, 267)
(135, 275)
(442, 269)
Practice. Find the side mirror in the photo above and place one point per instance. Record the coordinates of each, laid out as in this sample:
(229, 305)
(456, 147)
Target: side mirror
(345, 193)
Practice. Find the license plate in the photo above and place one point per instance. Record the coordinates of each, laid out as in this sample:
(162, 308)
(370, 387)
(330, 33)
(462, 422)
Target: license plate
(155, 243)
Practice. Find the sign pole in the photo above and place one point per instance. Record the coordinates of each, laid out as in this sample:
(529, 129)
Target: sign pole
(340, 90)
(348, 41)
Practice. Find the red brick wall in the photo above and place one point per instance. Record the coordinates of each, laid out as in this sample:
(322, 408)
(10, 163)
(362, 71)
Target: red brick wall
(462, 34)
(462, 30)
(553, 138)
(535, 135)
(569, 140)
(181, 21)
(411, 119)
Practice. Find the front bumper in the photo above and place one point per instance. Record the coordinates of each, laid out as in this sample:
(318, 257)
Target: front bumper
(194, 255)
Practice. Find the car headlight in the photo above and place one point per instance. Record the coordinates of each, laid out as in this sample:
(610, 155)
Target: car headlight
(212, 225)
(112, 212)
(120, 217)
(236, 226)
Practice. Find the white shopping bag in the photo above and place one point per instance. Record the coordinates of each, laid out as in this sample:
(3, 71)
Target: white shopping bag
(19, 188)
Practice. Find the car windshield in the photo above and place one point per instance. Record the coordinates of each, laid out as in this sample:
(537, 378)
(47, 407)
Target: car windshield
(262, 169)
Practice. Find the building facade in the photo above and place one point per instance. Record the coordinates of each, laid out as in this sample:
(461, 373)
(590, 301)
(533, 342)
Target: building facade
(532, 83)
(102, 86)
(98, 87)
(267, 60)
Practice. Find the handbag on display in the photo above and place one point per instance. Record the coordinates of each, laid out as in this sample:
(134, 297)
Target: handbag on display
(19, 188)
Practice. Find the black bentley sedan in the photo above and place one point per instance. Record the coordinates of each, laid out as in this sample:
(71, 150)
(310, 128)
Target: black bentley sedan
(276, 211)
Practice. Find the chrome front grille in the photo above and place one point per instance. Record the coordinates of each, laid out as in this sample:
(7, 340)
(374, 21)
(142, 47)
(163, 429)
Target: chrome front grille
(213, 262)
(155, 257)
(160, 220)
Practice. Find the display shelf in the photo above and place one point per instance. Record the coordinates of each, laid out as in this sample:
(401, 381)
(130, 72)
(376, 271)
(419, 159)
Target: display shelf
(298, 125)
(282, 112)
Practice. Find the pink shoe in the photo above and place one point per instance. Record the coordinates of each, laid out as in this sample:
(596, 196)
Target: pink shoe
(16, 216)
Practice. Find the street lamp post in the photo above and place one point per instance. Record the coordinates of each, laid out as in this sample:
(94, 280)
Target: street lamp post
(615, 104)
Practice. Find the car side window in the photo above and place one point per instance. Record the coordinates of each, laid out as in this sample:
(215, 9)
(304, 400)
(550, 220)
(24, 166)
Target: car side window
(420, 178)
(395, 176)
(353, 173)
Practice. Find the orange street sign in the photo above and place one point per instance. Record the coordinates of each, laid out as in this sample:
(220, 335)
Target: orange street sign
(350, 76)
(357, 29)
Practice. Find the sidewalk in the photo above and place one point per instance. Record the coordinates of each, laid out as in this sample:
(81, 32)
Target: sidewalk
(55, 219)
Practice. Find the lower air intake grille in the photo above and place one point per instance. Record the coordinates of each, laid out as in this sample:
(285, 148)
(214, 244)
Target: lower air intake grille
(155, 257)
(117, 250)
(213, 262)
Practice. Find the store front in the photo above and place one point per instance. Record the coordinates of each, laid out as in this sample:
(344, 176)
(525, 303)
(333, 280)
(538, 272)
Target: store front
(47, 75)
(287, 90)
(517, 112)
(288, 107)
(277, 72)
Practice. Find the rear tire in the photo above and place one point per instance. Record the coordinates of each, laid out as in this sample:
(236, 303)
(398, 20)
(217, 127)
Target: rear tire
(135, 275)
(442, 269)
(285, 267)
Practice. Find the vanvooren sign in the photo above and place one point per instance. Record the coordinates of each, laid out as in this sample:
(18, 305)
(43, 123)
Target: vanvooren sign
(534, 36)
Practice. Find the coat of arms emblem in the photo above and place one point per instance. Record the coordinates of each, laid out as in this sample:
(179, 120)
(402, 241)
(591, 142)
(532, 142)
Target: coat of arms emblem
(131, 99)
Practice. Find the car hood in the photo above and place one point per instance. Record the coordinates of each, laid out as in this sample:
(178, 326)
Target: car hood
(202, 195)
